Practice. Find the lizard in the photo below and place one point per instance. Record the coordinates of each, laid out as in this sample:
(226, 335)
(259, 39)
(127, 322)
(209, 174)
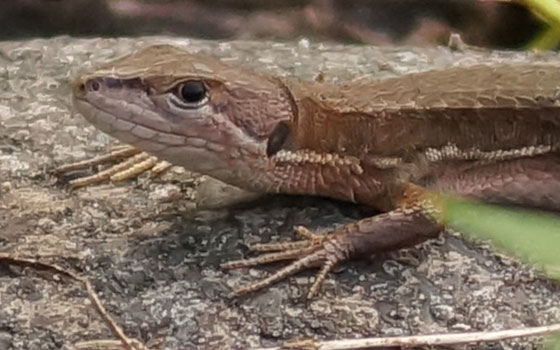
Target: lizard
(487, 132)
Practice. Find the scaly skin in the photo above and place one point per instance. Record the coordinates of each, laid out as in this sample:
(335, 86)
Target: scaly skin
(487, 132)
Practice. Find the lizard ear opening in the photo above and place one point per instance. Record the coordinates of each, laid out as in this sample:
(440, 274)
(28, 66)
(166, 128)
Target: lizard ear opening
(278, 139)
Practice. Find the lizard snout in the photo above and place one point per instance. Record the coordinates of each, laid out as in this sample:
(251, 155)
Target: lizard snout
(84, 85)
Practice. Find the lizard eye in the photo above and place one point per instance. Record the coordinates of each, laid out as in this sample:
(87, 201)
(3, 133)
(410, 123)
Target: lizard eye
(193, 93)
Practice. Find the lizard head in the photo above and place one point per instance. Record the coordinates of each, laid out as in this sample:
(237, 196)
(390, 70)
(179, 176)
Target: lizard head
(194, 111)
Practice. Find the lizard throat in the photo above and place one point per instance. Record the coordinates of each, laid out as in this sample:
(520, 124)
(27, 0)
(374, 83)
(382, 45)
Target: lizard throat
(194, 151)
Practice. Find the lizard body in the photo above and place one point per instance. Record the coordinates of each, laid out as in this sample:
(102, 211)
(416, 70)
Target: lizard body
(487, 132)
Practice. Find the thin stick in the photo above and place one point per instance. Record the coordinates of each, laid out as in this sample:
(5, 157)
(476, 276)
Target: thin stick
(419, 340)
(126, 342)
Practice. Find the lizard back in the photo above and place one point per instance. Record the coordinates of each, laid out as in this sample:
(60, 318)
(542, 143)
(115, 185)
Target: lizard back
(480, 108)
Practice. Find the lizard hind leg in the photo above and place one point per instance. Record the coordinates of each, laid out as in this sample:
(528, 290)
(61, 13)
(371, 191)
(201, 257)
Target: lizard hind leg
(393, 230)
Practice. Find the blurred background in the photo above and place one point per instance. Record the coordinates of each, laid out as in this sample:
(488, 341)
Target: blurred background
(495, 24)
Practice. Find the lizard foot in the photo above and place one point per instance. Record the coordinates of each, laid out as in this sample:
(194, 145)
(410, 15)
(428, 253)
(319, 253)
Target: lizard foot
(402, 227)
(133, 163)
(315, 250)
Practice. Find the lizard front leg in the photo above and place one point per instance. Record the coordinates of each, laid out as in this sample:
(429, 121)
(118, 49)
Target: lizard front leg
(412, 222)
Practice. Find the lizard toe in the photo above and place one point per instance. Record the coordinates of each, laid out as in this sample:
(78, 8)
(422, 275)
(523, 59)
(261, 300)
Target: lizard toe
(311, 260)
(131, 163)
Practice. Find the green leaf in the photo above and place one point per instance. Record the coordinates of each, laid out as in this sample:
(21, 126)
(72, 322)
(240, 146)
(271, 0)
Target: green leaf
(530, 235)
(553, 343)
(549, 12)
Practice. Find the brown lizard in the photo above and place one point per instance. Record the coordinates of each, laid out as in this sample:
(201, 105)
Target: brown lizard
(486, 132)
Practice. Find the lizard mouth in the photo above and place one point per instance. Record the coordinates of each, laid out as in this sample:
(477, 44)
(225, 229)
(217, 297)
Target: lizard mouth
(193, 153)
